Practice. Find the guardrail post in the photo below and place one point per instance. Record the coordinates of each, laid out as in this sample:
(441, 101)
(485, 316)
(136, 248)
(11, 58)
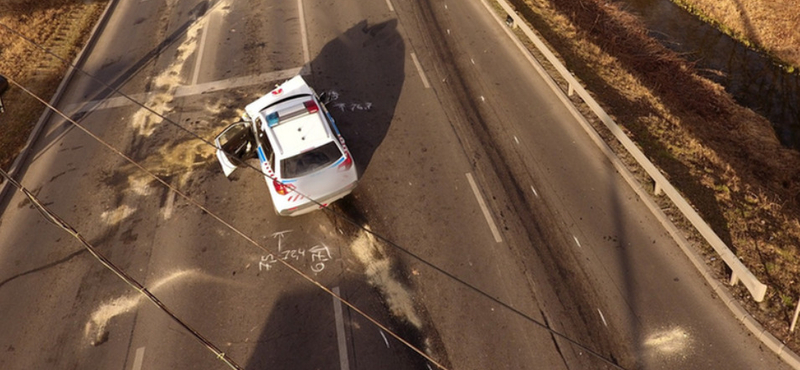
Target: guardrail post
(734, 279)
(570, 90)
(658, 190)
(794, 318)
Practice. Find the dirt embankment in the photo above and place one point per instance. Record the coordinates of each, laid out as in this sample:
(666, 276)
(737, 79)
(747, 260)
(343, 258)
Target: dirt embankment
(60, 26)
(724, 158)
(772, 26)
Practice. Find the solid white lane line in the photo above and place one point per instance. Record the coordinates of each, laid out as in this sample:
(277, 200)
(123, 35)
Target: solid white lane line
(200, 49)
(484, 209)
(138, 359)
(303, 33)
(421, 72)
(340, 335)
(391, 8)
(184, 91)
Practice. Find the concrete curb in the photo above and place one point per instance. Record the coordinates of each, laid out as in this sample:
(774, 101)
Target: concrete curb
(736, 309)
(37, 130)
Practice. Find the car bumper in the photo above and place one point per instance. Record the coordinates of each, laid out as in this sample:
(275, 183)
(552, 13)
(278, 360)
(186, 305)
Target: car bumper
(310, 206)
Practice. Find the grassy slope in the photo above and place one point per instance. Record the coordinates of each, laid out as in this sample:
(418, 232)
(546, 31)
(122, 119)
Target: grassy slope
(770, 25)
(725, 158)
(60, 26)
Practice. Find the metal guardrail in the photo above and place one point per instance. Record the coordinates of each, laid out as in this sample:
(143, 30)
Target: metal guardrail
(740, 272)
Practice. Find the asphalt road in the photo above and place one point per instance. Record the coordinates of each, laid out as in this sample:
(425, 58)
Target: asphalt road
(494, 214)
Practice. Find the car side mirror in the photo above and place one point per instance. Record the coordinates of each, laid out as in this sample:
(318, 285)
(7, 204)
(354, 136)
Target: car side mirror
(326, 97)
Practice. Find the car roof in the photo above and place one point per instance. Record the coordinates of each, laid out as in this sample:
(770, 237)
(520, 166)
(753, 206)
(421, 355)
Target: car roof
(301, 133)
(291, 127)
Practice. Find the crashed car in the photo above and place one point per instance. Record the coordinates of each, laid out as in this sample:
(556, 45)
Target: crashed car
(303, 156)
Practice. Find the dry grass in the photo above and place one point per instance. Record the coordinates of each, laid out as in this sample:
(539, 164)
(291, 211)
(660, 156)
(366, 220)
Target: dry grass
(770, 25)
(60, 26)
(724, 158)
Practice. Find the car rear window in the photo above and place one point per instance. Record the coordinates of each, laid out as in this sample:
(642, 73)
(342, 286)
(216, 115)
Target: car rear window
(310, 161)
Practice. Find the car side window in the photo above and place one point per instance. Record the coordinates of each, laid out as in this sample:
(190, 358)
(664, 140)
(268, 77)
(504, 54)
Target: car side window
(263, 141)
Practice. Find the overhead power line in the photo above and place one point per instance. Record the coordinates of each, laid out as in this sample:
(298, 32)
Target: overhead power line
(231, 227)
(58, 221)
(326, 209)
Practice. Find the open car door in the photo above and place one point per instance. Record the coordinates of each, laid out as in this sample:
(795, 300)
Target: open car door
(235, 145)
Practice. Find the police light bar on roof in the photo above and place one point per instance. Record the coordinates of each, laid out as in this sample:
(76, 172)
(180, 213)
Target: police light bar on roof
(275, 118)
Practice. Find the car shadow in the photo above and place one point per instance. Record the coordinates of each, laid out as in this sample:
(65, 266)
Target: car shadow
(301, 333)
(364, 70)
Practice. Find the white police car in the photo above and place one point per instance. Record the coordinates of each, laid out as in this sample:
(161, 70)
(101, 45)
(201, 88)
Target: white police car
(304, 158)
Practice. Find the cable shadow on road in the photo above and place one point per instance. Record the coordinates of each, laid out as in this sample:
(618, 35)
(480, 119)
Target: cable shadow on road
(365, 68)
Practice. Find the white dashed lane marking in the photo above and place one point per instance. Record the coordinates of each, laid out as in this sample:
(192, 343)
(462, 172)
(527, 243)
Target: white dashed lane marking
(602, 317)
(421, 72)
(200, 49)
(303, 33)
(138, 359)
(484, 209)
(340, 334)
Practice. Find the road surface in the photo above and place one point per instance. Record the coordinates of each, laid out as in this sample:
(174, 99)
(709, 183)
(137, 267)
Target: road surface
(496, 220)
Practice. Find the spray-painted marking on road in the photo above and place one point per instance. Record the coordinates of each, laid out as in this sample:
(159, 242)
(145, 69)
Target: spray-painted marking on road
(318, 255)
(484, 209)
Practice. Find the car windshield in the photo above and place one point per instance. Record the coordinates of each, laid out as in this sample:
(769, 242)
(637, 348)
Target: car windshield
(310, 161)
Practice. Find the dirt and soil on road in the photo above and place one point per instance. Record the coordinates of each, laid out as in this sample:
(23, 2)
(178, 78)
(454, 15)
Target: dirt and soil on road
(724, 158)
(60, 26)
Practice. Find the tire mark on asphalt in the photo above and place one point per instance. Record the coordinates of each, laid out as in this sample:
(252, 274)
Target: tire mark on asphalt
(44, 267)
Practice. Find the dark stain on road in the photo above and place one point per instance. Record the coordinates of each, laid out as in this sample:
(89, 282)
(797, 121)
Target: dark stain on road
(44, 267)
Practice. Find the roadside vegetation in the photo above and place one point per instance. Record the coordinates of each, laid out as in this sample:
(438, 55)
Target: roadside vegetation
(770, 26)
(60, 26)
(724, 158)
